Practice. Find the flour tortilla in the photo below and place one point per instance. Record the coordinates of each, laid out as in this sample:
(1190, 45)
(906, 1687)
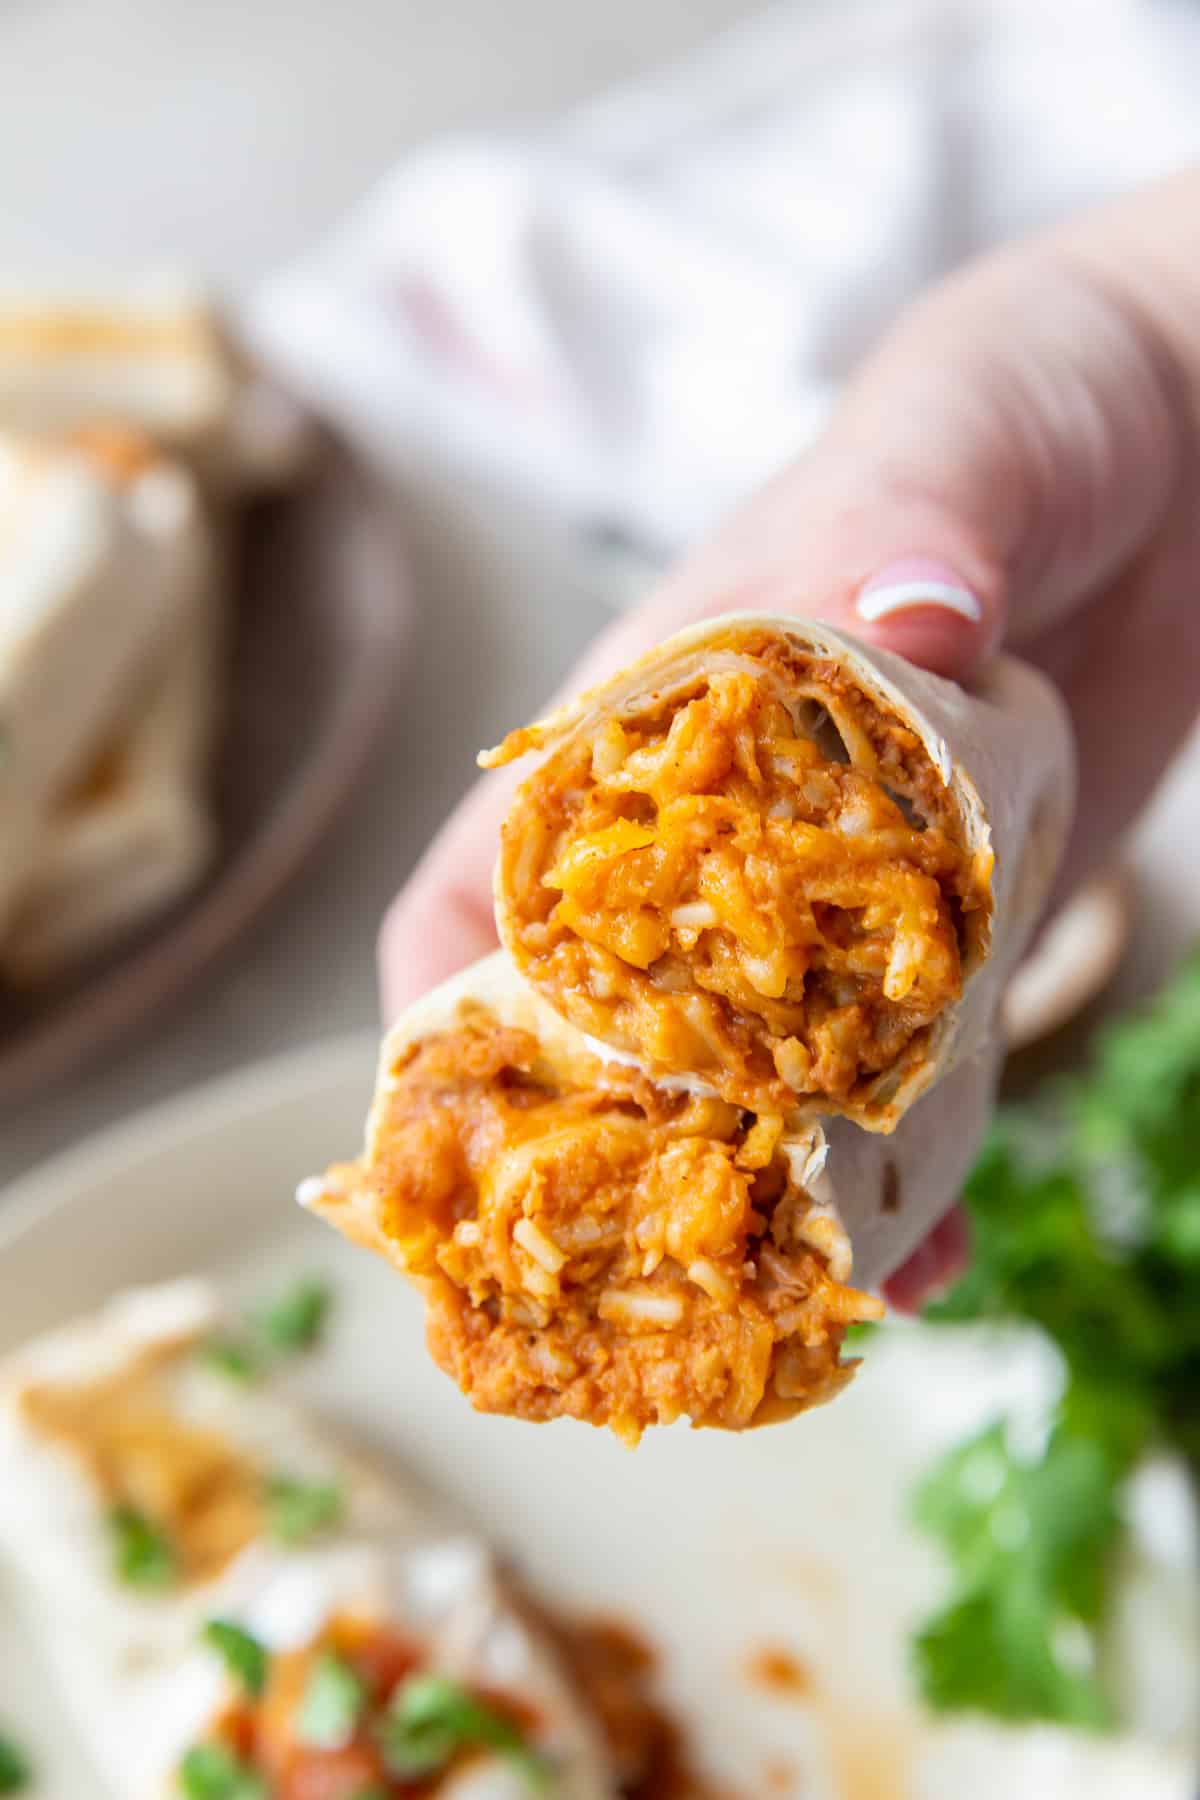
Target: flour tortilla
(107, 863)
(880, 1194)
(1004, 753)
(98, 573)
(152, 351)
(492, 983)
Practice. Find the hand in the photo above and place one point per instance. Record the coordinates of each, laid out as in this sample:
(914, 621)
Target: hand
(1019, 462)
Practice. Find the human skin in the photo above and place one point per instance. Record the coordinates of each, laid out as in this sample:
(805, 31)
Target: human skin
(1025, 444)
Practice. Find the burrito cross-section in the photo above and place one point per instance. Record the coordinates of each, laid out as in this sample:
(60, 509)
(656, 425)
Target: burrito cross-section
(590, 1245)
(742, 862)
(758, 901)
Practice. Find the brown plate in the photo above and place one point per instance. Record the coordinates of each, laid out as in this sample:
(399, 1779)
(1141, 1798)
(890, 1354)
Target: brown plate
(321, 607)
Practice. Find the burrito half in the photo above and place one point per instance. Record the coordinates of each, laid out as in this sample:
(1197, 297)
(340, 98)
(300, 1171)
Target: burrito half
(136, 832)
(99, 557)
(590, 1245)
(154, 354)
(772, 860)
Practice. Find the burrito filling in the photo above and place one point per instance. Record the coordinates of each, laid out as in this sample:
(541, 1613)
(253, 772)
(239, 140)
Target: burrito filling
(355, 1713)
(593, 1247)
(758, 878)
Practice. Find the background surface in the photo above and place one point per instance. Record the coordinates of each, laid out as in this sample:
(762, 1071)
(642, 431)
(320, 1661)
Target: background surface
(228, 137)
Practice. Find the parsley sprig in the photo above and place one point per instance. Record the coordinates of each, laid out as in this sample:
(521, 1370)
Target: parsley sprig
(1027, 1540)
(291, 1322)
(432, 1718)
(15, 1771)
(213, 1772)
(142, 1553)
(244, 1657)
(296, 1318)
(1086, 1220)
(298, 1510)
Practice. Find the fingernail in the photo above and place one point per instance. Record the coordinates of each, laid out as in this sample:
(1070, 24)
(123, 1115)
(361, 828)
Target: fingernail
(904, 586)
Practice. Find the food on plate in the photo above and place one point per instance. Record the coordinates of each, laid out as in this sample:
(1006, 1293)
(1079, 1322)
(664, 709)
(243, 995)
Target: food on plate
(762, 892)
(100, 565)
(369, 1669)
(250, 1604)
(140, 1472)
(134, 831)
(589, 1245)
(785, 864)
(152, 352)
(130, 426)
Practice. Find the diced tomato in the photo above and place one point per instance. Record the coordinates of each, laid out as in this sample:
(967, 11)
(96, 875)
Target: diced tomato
(328, 1774)
(384, 1660)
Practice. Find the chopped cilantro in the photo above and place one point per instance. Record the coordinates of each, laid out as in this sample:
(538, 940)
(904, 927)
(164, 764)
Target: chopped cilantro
(297, 1317)
(1086, 1220)
(243, 1655)
(298, 1510)
(142, 1553)
(15, 1772)
(235, 1357)
(432, 1718)
(332, 1705)
(212, 1772)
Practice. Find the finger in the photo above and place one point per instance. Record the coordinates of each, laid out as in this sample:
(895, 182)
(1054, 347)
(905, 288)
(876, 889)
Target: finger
(443, 919)
(933, 1265)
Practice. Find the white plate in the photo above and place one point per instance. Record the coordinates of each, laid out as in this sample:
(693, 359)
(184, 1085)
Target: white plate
(716, 1545)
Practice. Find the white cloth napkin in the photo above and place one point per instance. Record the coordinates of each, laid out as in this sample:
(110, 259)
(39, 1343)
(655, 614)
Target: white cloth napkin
(640, 311)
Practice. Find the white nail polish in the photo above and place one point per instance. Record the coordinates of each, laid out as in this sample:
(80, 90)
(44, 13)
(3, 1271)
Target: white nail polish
(899, 596)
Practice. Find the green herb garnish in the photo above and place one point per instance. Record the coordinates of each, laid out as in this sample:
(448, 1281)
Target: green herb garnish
(234, 1357)
(15, 1771)
(293, 1321)
(1028, 1541)
(296, 1319)
(299, 1510)
(243, 1655)
(431, 1719)
(332, 1705)
(142, 1553)
(211, 1772)
(1086, 1220)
